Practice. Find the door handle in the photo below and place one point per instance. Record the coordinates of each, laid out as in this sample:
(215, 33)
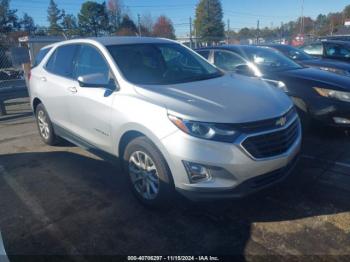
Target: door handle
(73, 90)
(43, 78)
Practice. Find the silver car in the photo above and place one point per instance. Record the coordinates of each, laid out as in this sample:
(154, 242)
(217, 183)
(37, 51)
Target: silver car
(176, 122)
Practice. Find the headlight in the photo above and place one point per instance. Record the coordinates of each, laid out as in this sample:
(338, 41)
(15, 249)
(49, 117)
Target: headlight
(336, 71)
(339, 95)
(209, 131)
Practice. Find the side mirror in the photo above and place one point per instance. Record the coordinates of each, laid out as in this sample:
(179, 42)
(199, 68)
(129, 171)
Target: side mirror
(96, 80)
(244, 70)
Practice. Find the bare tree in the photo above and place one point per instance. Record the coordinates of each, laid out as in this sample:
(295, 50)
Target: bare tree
(115, 14)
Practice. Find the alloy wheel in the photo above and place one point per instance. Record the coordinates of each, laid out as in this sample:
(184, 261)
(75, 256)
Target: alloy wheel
(144, 175)
(43, 125)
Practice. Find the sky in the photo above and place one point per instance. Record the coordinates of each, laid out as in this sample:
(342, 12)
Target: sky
(241, 13)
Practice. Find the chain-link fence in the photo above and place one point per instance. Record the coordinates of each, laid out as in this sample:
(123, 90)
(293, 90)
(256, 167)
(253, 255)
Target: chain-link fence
(12, 82)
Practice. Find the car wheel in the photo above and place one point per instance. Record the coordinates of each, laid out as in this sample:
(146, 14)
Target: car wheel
(148, 172)
(44, 124)
(306, 121)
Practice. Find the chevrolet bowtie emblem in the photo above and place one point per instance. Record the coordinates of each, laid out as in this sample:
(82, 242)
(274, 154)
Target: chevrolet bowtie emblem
(281, 122)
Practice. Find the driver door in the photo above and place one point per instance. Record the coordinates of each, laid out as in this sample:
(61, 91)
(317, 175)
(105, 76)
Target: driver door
(90, 108)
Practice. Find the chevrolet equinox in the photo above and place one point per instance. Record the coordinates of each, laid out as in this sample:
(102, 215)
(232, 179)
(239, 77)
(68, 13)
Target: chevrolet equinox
(177, 122)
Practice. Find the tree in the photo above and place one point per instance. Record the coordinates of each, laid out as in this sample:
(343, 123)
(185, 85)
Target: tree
(27, 23)
(93, 18)
(346, 12)
(163, 27)
(69, 25)
(115, 12)
(147, 24)
(307, 23)
(8, 17)
(246, 33)
(127, 27)
(208, 22)
(54, 16)
(334, 20)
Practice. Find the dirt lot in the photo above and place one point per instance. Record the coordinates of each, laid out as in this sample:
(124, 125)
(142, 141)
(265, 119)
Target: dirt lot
(63, 200)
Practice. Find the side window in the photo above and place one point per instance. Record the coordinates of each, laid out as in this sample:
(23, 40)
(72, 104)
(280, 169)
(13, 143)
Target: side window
(61, 61)
(337, 51)
(313, 49)
(90, 61)
(40, 56)
(204, 53)
(227, 60)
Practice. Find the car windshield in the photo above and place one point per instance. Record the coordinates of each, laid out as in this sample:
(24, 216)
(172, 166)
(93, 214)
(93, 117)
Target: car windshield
(269, 60)
(161, 64)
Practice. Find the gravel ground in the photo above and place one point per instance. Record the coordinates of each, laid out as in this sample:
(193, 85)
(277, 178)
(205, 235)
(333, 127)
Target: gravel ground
(65, 201)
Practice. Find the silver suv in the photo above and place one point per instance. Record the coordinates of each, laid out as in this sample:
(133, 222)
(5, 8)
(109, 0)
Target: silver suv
(176, 121)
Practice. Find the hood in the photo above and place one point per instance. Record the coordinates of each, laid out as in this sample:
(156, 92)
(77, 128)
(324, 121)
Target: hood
(227, 99)
(327, 63)
(317, 77)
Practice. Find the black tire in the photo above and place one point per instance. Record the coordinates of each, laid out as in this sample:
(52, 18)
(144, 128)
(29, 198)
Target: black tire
(50, 137)
(166, 189)
(306, 121)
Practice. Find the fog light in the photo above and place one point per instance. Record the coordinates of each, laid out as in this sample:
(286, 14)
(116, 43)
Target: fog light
(196, 172)
(341, 120)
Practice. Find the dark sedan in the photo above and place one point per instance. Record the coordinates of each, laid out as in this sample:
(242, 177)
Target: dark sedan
(317, 94)
(298, 55)
(330, 49)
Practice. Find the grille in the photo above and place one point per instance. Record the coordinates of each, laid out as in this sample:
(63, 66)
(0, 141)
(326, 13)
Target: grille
(272, 144)
(259, 126)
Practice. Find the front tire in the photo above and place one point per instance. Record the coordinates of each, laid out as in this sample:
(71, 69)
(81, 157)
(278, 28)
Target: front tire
(149, 175)
(45, 127)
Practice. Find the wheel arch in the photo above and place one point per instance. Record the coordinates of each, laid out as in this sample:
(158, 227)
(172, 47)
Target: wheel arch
(126, 138)
(35, 103)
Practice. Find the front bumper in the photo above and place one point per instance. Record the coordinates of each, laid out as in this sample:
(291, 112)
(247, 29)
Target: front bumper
(248, 187)
(233, 170)
(325, 110)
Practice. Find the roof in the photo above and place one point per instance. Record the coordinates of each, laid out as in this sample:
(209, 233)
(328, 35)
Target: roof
(232, 47)
(121, 40)
(334, 41)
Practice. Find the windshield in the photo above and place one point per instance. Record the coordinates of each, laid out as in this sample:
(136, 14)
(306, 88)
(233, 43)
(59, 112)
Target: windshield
(269, 60)
(161, 64)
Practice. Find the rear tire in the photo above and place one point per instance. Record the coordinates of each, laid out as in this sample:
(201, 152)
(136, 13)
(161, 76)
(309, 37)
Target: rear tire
(149, 175)
(45, 127)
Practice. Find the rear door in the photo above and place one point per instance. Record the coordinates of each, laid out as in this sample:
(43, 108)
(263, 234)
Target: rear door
(90, 108)
(56, 80)
(337, 51)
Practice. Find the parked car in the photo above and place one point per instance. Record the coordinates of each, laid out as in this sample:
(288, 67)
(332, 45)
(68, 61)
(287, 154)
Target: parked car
(330, 49)
(318, 95)
(175, 121)
(298, 55)
(335, 37)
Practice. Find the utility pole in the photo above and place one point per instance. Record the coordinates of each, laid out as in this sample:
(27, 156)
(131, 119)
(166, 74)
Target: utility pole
(302, 18)
(190, 32)
(139, 24)
(208, 14)
(195, 38)
(228, 31)
(257, 32)
(282, 32)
